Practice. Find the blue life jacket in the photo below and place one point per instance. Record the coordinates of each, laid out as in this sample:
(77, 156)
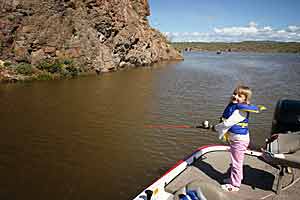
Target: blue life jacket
(241, 127)
(190, 195)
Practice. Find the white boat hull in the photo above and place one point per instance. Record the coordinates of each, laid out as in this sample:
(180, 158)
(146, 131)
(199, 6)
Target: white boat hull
(158, 187)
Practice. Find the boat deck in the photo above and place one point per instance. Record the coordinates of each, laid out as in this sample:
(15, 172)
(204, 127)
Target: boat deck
(260, 178)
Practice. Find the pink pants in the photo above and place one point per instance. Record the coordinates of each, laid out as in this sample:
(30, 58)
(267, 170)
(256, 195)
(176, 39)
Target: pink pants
(237, 154)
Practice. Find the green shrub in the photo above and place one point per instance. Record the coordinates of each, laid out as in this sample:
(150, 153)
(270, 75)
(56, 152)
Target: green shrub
(45, 65)
(51, 66)
(24, 68)
(7, 64)
(67, 62)
(11, 18)
(56, 67)
(73, 71)
(70, 71)
(64, 67)
(44, 76)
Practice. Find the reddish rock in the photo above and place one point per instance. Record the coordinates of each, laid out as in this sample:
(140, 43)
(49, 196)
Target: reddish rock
(37, 56)
(73, 52)
(49, 49)
(93, 33)
(21, 53)
(28, 29)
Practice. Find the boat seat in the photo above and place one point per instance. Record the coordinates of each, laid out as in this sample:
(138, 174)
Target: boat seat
(204, 190)
(283, 151)
(284, 143)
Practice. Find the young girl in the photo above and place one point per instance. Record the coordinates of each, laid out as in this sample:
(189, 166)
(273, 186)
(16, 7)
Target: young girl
(234, 129)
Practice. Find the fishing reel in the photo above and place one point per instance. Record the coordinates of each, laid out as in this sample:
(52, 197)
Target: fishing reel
(206, 125)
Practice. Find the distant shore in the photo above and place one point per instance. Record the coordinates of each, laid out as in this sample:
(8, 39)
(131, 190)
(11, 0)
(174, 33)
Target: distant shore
(247, 46)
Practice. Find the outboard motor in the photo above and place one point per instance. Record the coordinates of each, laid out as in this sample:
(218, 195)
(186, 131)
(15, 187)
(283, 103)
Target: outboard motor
(286, 117)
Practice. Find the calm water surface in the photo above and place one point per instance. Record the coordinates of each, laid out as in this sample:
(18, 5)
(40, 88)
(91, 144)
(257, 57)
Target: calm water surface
(86, 138)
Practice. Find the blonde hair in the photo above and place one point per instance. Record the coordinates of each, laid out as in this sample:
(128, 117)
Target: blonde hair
(244, 90)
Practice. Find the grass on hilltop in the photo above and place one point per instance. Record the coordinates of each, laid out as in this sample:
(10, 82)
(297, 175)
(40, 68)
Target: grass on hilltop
(248, 46)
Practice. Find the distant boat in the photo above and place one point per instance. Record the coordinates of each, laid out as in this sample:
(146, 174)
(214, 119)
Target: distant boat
(219, 52)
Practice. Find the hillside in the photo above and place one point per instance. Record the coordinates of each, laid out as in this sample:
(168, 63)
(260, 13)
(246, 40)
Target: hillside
(62, 37)
(249, 46)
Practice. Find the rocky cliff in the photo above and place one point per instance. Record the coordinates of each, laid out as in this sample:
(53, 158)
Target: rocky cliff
(100, 35)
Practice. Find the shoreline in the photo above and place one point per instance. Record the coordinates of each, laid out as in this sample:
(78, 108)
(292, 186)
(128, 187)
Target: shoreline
(67, 69)
(25, 72)
(232, 51)
(246, 46)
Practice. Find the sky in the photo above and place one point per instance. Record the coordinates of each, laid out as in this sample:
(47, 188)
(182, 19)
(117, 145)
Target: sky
(226, 20)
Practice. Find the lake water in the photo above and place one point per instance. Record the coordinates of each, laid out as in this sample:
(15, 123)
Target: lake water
(87, 138)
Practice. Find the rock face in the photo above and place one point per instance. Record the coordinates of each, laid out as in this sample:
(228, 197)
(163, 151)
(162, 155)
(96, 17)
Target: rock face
(99, 34)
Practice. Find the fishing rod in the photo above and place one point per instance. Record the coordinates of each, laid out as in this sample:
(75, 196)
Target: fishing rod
(205, 125)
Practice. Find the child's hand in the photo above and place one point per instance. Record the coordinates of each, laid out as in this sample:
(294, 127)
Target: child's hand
(224, 137)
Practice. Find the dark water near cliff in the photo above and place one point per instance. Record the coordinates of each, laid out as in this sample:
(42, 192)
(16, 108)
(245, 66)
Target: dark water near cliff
(86, 138)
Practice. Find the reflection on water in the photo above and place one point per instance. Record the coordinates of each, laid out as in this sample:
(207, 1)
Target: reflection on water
(86, 138)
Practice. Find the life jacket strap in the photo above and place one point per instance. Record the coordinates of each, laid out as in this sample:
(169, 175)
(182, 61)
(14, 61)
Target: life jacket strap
(242, 124)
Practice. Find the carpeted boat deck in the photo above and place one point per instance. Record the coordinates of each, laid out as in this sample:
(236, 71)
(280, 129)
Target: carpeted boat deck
(260, 178)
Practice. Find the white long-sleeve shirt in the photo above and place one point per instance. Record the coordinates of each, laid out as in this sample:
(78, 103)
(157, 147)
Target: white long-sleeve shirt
(236, 117)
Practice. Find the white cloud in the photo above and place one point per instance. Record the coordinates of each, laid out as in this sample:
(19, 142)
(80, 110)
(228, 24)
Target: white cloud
(239, 33)
(281, 31)
(266, 29)
(252, 24)
(294, 28)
